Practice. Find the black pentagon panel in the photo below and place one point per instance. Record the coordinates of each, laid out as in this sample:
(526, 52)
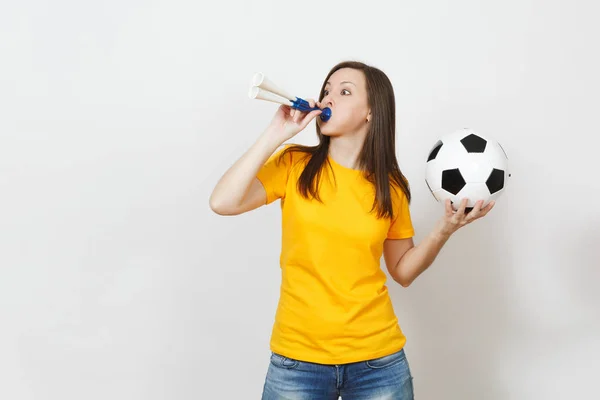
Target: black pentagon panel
(452, 181)
(436, 149)
(473, 143)
(495, 182)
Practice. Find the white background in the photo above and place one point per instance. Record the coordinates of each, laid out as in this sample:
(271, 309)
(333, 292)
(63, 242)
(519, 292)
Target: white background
(118, 117)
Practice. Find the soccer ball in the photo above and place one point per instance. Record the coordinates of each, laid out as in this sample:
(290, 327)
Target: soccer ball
(466, 164)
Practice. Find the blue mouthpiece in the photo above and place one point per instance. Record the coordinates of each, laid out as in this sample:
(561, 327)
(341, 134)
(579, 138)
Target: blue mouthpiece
(326, 114)
(303, 105)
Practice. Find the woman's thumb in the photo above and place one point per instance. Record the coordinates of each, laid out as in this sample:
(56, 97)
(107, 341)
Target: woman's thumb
(310, 116)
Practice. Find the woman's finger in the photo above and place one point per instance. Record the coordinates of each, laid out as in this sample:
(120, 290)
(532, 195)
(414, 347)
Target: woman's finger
(449, 210)
(298, 116)
(309, 117)
(475, 212)
(462, 207)
(487, 208)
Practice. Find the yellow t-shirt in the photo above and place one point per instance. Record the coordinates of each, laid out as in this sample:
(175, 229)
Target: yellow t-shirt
(334, 306)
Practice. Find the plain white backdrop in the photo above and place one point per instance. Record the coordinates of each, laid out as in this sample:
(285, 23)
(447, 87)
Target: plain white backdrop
(117, 118)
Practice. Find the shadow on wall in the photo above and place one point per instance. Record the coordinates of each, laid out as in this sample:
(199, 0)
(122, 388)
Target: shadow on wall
(456, 315)
(560, 350)
(578, 253)
(499, 305)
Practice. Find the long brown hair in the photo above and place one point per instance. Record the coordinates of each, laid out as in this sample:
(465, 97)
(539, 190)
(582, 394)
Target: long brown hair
(377, 158)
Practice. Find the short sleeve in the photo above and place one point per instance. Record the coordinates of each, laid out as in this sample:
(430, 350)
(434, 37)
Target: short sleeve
(274, 175)
(401, 226)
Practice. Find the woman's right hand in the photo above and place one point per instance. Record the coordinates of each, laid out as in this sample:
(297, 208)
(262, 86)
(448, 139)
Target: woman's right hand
(288, 122)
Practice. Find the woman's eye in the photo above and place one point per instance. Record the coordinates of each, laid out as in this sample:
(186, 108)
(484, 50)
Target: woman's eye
(326, 92)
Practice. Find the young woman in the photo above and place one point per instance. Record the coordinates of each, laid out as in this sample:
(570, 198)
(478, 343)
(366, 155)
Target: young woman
(344, 203)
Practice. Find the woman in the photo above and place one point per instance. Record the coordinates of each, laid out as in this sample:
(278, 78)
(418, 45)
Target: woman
(344, 203)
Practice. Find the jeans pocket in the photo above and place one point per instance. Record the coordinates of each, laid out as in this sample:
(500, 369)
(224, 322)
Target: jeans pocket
(387, 361)
(283, 362)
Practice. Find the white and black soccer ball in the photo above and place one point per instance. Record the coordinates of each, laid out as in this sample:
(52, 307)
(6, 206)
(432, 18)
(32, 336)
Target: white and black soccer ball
(466, 164)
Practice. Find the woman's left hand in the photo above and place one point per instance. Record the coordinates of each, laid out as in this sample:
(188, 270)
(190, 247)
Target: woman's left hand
(454, 220)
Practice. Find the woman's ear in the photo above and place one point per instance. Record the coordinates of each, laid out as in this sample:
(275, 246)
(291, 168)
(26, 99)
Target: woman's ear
(369, 116)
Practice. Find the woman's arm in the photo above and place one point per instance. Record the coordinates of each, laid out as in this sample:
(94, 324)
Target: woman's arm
(406, 262)
(414, 260)
(239, 190)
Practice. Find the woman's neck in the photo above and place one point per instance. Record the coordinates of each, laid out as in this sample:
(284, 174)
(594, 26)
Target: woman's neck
(345, 150)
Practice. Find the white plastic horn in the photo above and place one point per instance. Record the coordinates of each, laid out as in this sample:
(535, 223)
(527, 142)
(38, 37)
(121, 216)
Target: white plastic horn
(260, 94)
(261, 81)
(264, 89)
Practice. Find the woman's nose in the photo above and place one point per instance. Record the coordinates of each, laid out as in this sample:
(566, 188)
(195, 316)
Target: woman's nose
(327, 101)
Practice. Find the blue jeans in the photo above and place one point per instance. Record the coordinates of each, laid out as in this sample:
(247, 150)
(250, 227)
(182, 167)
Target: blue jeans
(382, 378)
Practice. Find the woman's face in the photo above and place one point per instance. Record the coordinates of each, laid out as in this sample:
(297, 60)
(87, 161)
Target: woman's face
(346, 95)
